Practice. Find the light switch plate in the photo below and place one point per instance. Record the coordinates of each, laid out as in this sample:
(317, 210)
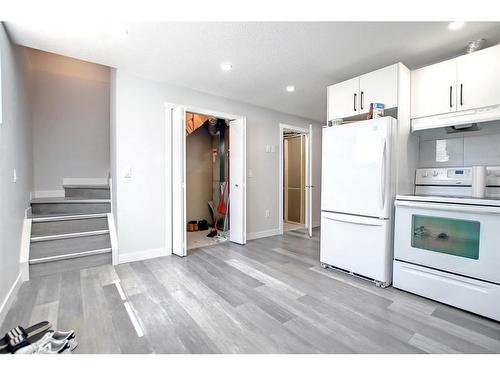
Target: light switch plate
(128, 173)
(14, 175)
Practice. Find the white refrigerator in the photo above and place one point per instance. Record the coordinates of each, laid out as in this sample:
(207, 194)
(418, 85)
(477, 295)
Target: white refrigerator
(357, 192)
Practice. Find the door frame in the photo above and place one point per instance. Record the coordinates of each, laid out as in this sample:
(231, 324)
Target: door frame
(170, 159)
(308, 175)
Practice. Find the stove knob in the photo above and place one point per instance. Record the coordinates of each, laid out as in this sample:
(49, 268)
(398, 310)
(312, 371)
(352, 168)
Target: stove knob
(435, 173)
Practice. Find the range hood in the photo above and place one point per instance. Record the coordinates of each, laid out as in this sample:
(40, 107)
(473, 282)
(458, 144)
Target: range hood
(458, 120)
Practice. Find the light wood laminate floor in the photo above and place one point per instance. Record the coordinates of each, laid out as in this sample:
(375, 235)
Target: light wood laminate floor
(270, 296)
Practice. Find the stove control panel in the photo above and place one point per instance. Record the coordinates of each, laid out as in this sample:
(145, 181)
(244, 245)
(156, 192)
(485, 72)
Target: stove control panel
(461, 176)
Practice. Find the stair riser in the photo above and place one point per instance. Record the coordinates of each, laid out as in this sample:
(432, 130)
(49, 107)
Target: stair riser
(68, 226)
(87, 193)
(68, 246)
(43, 269)
(69, 208)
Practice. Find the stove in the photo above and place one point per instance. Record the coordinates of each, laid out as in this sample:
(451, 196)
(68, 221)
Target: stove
(446, 243)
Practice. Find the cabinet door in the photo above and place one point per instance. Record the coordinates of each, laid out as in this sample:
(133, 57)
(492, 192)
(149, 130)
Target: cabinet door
(380, 86)
(343, 99)
(433, 89)
(478, 79)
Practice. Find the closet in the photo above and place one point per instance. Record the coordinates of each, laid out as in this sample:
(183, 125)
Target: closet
(207, 179)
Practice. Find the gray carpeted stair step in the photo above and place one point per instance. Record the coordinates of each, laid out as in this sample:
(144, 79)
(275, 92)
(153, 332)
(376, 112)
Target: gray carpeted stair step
(68, 206)
(55, 226)
(87, 191)
(67, 246)
(73, 264)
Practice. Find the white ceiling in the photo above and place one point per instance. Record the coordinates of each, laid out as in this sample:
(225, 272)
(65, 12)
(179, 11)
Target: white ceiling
(266, 56)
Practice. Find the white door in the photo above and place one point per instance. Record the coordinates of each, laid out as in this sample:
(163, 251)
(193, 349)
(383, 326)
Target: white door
(343, 99)
(237, 180)
(309, 183)
(179, 240)
(477, 79)
(355, 168)
(380, 86)
(433, 89)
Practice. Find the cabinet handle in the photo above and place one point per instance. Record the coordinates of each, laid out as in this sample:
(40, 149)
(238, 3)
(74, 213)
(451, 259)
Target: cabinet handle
(362, 93)
(451, 93)
(355, 95)
(461, 94)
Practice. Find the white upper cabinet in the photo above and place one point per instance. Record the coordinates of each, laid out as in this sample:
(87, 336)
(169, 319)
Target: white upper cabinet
(433, 89)
(380, 86)
(343, 99)
(478, 79)
(353, 97)
(466, 82)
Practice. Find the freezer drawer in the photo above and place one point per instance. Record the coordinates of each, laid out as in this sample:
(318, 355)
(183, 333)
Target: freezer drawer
(468, 294)
(361, 245)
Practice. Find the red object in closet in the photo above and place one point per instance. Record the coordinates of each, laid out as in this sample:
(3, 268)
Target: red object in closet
(222, 207)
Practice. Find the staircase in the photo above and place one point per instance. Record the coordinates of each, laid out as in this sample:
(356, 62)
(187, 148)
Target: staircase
(70, 233)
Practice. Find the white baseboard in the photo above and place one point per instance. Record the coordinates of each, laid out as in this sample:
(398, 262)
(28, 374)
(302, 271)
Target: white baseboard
(47, 194)
(263, 233)
(142, 255)
(9, 298)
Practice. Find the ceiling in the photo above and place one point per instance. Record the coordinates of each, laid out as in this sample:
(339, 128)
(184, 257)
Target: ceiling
(266, 56)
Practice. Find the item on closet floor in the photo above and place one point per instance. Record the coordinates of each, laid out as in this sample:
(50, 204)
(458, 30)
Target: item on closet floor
(478, 181)
(213, 232)
(25, 333)
(192, 226)
(202, 225)
(211, 209)
(376, 111)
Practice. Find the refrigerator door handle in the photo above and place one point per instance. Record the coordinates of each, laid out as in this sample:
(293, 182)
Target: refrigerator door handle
(382, 172)
(362, 220)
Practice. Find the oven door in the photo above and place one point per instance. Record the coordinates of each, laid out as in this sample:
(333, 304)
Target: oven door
(461, 239)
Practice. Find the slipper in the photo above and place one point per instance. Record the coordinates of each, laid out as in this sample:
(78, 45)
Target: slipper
(26, 333)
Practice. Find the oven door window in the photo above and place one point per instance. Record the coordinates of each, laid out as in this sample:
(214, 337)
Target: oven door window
(449, 236)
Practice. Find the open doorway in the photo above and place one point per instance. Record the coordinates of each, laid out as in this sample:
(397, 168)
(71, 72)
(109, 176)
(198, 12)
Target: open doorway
(295, 178)
(207, 179)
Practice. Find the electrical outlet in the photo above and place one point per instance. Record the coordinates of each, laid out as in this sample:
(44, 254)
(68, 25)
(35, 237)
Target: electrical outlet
(268, 213)
(250, 173)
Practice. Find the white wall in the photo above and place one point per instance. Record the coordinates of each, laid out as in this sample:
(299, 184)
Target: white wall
(70, 120)
(15, 152)
(140, 144)
(462, 149)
